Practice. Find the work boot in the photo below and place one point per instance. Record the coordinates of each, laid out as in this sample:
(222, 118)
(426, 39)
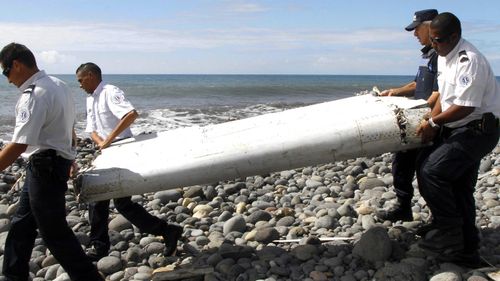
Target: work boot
(171, 235)
(469, 260)
(96, 251)
(426, 228)
(443, 240)
(402, 212)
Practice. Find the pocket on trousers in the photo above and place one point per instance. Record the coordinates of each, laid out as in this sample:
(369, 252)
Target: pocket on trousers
(41, 167)
(49, 170)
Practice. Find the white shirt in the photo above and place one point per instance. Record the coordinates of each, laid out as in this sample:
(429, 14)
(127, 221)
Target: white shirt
(105, 108)
(45, 116)
(465, 78)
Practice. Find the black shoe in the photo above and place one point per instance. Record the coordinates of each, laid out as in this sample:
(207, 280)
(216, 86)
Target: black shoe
(443, 241)
(172, 234)
(96, 253)
(469, 260)
(398, 214)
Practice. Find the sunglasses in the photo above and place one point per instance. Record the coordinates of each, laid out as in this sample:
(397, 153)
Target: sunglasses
(437, 40)
(6, 71)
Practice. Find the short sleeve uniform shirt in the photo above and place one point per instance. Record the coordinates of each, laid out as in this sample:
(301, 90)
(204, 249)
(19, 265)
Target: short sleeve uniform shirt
(105, 108)
(45, 116)
(465, 78)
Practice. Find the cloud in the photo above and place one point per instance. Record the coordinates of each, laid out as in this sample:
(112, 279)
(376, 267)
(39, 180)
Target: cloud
(126, 48)
(364, 60)
(53, 57)
(242, 7)
(480, 27)
(112, 37)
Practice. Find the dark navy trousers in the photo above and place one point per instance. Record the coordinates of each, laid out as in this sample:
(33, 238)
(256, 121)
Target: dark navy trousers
(403, 171)
(42, 206)
(447, 174)
(133, 212)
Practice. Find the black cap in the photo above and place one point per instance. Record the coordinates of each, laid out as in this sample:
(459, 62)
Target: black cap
(421, 16)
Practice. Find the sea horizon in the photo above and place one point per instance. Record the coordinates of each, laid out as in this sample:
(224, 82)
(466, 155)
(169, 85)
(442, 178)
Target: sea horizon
(167, 101)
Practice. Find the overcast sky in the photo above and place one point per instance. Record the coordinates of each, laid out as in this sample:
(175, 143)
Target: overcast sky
(236, 37)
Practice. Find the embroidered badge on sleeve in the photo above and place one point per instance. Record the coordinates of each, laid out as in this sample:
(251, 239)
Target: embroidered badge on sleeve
(465, 80)
(23, 115)
(117, 97)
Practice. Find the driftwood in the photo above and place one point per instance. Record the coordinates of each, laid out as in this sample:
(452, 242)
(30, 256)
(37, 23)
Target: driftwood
(172, 272)
(321, 239)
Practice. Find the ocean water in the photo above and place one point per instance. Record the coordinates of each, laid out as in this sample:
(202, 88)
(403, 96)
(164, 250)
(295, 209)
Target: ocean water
(165, 102)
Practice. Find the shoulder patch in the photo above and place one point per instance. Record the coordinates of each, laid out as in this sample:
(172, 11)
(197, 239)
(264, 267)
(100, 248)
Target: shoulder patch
(463, 56)
(23, 115)
(465, 80)
(117, 97)
(30, 89)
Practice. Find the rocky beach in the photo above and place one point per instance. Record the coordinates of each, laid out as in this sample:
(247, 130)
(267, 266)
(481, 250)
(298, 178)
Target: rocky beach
(315, 223)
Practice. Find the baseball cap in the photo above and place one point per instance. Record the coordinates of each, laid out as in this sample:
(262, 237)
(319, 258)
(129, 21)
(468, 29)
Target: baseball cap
(421, 16)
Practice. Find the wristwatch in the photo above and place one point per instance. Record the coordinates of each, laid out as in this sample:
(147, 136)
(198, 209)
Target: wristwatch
(432, 124)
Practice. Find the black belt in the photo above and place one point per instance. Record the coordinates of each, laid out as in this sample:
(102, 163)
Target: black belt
(477, 124)
(45, 153)
(480, 124)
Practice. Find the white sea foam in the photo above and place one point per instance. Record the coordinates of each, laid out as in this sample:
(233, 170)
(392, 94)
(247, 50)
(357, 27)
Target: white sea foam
(166, 119)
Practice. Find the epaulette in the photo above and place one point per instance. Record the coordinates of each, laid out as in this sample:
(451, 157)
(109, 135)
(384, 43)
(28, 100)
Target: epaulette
(463, 56)
(30, 89)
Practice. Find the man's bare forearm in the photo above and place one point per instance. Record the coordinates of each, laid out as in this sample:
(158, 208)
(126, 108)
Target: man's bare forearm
(10, 153)
(125, 122)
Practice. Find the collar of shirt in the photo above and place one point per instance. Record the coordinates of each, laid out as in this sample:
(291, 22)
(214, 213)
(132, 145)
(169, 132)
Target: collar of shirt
(427, 52)
(98, 90)
(449, 57)
(32, 80)
(425, 49)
